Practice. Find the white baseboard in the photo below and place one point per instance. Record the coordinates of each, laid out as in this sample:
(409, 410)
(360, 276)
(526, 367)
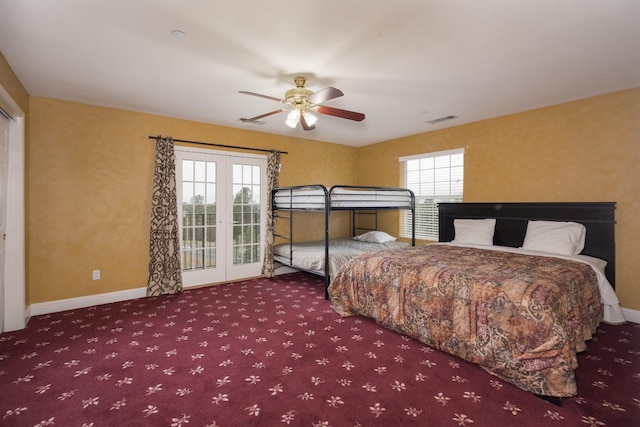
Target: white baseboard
(632, 316)
(86, 301)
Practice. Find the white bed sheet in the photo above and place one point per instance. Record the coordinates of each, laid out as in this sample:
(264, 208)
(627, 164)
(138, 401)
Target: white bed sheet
(310, 255)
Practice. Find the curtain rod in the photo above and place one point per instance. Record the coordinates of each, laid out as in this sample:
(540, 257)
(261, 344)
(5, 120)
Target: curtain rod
(219, 145)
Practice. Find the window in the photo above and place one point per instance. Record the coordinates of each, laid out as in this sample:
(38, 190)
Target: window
(434, 178)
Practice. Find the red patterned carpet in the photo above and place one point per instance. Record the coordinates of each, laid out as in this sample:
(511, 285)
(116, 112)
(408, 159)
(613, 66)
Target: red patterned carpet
(273, 352)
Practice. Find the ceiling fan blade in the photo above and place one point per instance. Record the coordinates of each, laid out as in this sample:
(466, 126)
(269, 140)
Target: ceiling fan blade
(337, 112)
(304, 123)
(263, 96)
(253, 119)
(324, 95)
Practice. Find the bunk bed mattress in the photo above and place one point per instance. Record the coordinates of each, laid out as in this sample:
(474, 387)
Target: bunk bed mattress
(521, 317)
(341, 197)
(310, 255)
(300, 199)
(307, 198)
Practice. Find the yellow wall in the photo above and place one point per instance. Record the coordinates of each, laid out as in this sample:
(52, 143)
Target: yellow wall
(90, 190)
(587, 150)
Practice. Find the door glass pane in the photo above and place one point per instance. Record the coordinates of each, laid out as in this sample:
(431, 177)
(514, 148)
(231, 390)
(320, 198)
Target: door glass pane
(246, 223)
(200, 171)
(198, 215)
(187, 170)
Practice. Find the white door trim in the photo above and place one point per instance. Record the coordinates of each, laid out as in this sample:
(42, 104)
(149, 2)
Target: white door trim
(15, 311)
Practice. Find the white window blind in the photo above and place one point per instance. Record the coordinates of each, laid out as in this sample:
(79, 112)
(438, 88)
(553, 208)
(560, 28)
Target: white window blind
(433, 178)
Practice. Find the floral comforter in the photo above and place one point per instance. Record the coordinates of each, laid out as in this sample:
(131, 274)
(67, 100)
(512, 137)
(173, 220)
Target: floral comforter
(521, 317)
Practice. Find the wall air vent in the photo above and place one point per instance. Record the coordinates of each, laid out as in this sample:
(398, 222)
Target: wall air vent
(441, 119)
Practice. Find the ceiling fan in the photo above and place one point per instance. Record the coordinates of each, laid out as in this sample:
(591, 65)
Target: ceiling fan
(301, 103)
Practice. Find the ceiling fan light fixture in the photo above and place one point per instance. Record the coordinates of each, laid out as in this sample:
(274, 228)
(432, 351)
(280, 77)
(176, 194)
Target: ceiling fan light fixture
(292, 118)
(300, 103)
(310, 118)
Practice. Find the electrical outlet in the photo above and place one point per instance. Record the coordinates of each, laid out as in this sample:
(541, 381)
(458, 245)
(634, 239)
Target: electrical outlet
(96, 274)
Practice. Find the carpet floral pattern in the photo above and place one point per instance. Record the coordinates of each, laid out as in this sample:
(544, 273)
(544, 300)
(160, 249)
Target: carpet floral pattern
(270, 352)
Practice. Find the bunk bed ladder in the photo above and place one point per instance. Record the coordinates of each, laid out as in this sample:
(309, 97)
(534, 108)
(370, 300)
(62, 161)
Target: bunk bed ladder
(278, 215)
(355, 217)
(327, 278)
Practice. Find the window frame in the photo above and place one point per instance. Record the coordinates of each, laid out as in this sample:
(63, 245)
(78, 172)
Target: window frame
(428, 193)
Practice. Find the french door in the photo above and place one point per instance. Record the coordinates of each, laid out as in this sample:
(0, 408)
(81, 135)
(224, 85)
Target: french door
(222, 211)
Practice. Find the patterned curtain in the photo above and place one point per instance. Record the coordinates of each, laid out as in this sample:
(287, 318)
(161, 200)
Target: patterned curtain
(165, 276)
(273, 169)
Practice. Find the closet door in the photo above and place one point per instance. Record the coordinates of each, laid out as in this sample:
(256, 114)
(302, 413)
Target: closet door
(4, 160)
(221, 205)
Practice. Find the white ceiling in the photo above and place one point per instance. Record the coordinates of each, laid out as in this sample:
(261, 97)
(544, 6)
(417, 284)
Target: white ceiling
(401, 62)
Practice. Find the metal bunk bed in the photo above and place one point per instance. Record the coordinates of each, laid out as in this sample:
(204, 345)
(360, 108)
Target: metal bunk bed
(359, 200)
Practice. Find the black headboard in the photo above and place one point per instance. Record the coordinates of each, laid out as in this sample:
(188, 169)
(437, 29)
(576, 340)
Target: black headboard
(512, 218)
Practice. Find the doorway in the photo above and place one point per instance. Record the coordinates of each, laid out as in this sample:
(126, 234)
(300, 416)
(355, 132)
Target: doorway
(13, 310)
(4, 168)
(222, 212)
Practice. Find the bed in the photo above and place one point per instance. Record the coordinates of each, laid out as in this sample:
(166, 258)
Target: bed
(325, 257)
(521, 314)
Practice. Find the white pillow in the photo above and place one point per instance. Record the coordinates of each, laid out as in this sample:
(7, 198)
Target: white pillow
(558, 237)
(375, 237)
(474, 231)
